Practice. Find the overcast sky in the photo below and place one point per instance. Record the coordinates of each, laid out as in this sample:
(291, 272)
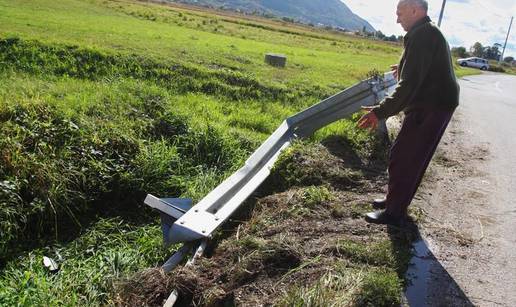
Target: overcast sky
(465, 21)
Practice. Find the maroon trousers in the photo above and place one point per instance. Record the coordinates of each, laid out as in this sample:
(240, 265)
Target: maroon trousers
(410, 155)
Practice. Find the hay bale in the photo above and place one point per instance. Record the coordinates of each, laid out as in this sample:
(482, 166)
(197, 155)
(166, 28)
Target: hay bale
(277, 60)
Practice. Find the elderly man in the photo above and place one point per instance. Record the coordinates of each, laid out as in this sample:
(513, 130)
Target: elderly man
(428, 93)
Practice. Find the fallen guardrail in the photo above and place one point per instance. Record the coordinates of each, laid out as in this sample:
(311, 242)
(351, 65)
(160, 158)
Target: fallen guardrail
(193, 225)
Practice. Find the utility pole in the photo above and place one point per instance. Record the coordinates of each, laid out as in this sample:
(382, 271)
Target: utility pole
(505, 45)
(442, 13)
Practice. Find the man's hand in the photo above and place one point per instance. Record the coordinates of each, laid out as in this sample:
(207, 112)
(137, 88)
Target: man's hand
(368, 120)
(394, 68)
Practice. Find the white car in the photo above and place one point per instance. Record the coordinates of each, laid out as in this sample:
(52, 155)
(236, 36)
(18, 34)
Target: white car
(483, 64)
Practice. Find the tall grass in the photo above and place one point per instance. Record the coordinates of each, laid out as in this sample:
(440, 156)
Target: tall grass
(71, 61)
(103, 150)
(89, 266)
(102, 102)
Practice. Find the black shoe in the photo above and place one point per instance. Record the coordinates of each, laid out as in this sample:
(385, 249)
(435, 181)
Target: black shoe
(381, 217)
(379, 203)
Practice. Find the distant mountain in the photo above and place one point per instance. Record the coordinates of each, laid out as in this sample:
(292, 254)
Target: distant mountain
(327, 12)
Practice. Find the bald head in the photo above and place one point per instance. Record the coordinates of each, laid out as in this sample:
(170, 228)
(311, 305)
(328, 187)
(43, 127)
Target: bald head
(422, 4)
(411, 11)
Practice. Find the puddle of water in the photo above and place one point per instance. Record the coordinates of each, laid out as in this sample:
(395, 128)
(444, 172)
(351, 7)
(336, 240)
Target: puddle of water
(418, 274)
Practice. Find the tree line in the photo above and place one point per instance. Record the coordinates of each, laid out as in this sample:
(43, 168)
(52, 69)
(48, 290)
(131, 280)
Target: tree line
(478, 50)
(379, 35)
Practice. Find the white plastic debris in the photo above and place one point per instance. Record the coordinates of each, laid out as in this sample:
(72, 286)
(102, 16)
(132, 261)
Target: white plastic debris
(50, 264)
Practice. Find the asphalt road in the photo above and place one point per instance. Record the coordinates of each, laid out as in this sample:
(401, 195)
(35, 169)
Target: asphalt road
(470, 199)
(488, 106)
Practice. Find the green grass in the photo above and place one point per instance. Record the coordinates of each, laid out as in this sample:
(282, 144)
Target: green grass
(315, 60)
(311, 199)
(69, 144)
(312, 62)
(89, 266)
(333, 289)
(314, 196)
(370, 274)
(377, 253)
(102, 102)
(348, 287)
(380, 288)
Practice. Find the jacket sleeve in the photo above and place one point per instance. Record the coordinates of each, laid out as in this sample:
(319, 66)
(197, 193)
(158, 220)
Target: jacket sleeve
(418, 61)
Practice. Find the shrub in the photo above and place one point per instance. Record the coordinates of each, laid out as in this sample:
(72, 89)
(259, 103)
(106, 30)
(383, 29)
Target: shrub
(495, 68)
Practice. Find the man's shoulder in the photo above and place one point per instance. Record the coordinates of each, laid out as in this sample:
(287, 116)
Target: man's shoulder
(428, 28)
(428, 32)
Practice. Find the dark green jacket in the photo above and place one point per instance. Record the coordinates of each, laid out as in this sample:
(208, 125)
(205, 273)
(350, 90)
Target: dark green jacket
(426, 77)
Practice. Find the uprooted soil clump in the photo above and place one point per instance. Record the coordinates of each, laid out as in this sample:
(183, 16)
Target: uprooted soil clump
(304, 244)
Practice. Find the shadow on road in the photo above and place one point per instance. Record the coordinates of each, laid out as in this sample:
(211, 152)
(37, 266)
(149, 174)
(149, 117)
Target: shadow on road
(427, 281)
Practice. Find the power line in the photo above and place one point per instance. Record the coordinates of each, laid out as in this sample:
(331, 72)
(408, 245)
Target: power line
(489, 9)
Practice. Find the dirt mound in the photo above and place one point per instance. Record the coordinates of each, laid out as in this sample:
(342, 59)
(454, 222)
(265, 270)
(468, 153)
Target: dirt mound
(307, 244)
(147, 288)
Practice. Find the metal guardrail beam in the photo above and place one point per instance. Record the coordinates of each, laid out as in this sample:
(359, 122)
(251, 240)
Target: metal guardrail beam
(204, 218)
(174, 207)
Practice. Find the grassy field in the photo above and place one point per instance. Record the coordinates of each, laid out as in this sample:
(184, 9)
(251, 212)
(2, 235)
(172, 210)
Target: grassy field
(206, 40)
(102, 102)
